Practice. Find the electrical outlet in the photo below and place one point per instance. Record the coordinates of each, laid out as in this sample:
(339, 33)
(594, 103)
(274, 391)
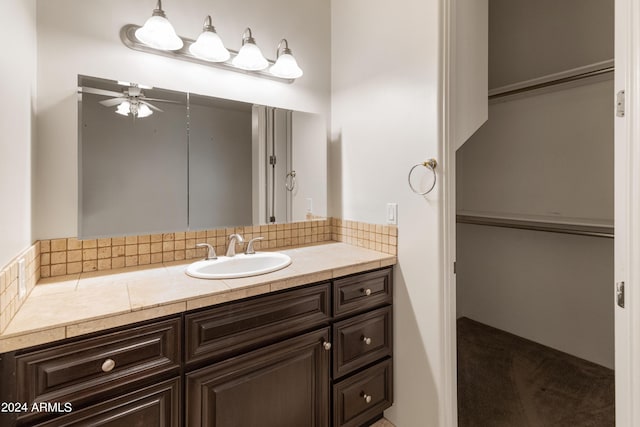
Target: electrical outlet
(392, 213)
(22, 279)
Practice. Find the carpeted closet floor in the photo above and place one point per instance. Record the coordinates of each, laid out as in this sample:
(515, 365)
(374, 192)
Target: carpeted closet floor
(508, 381)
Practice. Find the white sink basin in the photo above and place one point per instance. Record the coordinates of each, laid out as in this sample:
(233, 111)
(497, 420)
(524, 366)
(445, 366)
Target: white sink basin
(240, 265)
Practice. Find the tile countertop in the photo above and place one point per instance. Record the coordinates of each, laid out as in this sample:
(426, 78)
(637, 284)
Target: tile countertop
(70, 306)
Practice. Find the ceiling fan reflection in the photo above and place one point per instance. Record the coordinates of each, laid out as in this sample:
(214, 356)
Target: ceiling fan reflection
(130, 102)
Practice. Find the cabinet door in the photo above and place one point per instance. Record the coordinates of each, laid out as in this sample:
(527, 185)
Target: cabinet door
(282, 385)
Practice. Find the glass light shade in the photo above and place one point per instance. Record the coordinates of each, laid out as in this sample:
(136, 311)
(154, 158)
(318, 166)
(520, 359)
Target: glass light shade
(158, 33)
(144, 111)
(209, 47)
(124, 108)
(286, 67)
(250, 58)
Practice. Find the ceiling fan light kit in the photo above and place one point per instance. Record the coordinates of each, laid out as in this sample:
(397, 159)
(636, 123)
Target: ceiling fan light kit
(157, 36)
(131, 102)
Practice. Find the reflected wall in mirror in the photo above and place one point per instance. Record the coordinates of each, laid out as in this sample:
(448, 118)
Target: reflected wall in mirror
(132, 170)
(220, 144)
(155, 161)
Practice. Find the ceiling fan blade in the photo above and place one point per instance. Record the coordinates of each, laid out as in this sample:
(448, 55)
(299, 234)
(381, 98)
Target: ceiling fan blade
(153, 107)
(113, 101)
(160, 100)
(101, 92)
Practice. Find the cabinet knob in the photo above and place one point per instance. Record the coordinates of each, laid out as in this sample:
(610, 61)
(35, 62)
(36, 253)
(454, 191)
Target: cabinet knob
(108, 365)
(326, 345)
(366, 340)
(367, 291)
(366, 397)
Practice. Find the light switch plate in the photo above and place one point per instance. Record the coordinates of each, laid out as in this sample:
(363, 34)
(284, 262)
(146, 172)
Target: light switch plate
(392, 213)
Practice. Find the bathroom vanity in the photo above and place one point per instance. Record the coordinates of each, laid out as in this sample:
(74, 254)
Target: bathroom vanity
(319, 354)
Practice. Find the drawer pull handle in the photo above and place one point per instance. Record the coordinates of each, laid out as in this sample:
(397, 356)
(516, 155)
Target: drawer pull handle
(366, 397)
(326, 345)
(367, 291)
(108, 365)
(366, 340)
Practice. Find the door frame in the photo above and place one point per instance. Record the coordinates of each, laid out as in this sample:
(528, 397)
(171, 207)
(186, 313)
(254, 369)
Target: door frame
(447, 96)
(627, 213)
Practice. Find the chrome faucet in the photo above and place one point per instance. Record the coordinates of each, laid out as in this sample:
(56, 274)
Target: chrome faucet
(211, 252)
(231, 249)
(250, 250)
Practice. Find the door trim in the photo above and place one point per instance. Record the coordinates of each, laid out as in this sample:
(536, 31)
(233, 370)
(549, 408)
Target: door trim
(449, 401)
(627, 213)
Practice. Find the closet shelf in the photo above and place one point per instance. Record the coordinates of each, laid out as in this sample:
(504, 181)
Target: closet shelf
(564, 226)
(574, 75)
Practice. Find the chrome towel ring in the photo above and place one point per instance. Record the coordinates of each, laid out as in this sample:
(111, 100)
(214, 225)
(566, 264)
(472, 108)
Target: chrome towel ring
(290, 181)
(429, 164)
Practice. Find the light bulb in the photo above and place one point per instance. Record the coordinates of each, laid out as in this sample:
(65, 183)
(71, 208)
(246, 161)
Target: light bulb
(286, 67)
(124, 108)
(208, 46)
(158, 33)
(250, 57)
(144, 111)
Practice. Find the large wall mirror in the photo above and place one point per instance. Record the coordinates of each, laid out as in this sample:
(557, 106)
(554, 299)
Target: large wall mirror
(153, 160)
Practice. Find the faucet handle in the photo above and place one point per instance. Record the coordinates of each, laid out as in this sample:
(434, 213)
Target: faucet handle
(211, 252)
(250, 250)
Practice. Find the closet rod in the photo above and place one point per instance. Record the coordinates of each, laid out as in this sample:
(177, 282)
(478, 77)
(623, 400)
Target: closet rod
(553, 82)
(552, 227)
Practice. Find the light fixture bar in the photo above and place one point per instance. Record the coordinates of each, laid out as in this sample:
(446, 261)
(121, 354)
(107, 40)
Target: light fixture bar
(128, 37)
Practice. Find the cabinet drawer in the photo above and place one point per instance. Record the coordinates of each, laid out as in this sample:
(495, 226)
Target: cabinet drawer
(360, 292)
(157, 405)
(224, 331)
(361, 340)
(84, 370)
(363, 396)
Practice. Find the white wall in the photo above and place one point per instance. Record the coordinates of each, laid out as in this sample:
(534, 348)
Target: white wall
(310, 163)
(384, 120)
(532, 38)
(551, 288)
(548, 155)
(470, 45)
(18, 80)
(81, 37)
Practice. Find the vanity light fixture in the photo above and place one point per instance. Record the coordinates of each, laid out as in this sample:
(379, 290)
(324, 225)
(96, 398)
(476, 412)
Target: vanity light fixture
(208, 46)
(250, 57)
(158, 32)
(157, 36)
(286, 65)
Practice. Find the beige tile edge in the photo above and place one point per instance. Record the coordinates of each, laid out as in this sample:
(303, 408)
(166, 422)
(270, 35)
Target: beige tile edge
(357, 268)
(227, 296)
(31, 339)
(82, 328)
(303, 279)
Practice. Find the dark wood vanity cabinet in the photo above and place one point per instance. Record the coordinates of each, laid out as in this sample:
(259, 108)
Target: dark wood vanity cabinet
(313, 356)
(284, 384)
